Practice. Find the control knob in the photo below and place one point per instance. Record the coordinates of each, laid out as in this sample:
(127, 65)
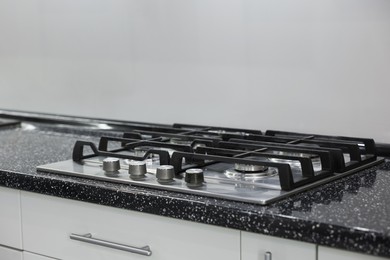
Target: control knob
(194, 177)
(111, 164)
(137, 169)
(165, 173)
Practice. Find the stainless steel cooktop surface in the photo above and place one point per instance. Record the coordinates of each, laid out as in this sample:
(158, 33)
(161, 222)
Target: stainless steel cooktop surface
(234, 164)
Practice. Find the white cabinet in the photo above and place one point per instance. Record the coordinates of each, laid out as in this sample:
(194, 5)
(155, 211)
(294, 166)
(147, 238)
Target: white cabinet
(10, 254)
(48, 223)
(256, 247)
(10, 219)
(326, 253)
(31, 256)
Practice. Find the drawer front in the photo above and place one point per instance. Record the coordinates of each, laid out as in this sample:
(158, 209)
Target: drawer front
(48, 223)
(260, 247)
(10, 219)
(10, 254)
(325, 253)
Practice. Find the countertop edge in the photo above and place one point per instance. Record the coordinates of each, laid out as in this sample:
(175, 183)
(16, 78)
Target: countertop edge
(143, 200)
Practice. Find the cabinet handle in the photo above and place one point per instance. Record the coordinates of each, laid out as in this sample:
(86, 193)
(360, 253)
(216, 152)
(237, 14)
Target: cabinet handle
(87, 238)
(268, 256)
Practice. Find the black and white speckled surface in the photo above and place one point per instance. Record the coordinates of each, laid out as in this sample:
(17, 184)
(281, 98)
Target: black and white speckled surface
(352, 213)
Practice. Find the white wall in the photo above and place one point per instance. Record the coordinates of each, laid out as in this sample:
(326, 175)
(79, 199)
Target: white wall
(314, 66)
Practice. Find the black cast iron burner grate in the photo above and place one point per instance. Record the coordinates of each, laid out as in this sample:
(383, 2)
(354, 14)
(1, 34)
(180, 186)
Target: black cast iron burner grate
(295, 161)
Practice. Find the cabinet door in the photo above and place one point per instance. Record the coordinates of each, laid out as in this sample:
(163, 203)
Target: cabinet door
(10, 219)
(325, 253)
(10, 254)
(48, 223)
(260, 247)
(31, 256)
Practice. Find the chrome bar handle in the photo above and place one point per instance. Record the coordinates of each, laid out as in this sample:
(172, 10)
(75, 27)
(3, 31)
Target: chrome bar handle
(268, 256)
(87, 238)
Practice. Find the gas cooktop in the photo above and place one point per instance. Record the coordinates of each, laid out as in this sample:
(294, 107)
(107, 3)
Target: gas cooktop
(229, 163)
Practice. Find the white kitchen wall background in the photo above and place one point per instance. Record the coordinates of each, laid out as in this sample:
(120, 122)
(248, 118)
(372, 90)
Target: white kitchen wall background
(314, 66)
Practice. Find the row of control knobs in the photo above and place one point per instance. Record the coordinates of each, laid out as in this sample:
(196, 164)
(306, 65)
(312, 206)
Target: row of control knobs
(164, 173)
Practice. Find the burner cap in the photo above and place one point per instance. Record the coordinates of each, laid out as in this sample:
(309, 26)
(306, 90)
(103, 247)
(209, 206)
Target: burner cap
(249, 168)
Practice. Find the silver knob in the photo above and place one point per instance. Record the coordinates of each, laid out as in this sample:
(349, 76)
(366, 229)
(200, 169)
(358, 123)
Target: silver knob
(194, 177)
(111, 164)
(268, 256)
(165, 173)
(137, 169)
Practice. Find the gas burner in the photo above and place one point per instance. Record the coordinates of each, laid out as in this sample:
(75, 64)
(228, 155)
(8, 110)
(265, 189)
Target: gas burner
(222, 132)
(142, 150)
(181, 141)
(294, 154)
(252, 168)
(249, 168)
(232, 173)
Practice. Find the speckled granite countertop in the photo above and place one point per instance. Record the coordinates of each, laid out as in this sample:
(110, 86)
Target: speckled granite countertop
(352, 213)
